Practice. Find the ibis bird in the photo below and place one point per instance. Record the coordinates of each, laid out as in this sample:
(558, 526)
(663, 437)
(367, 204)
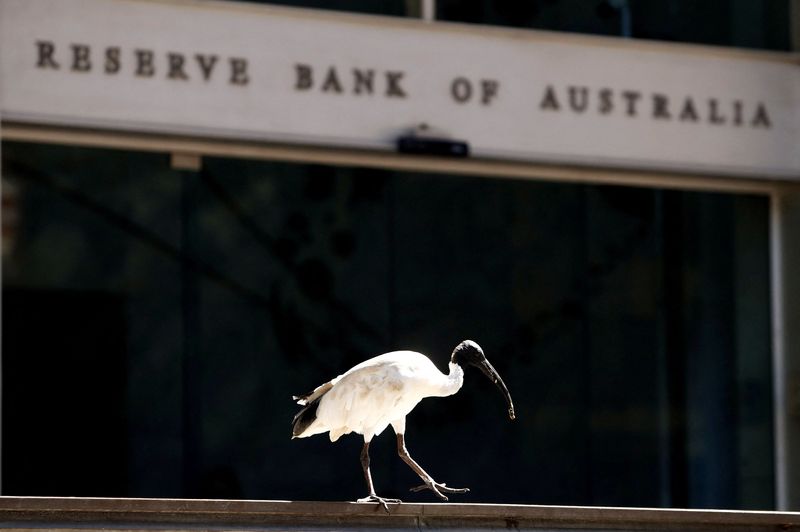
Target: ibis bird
(382, 391)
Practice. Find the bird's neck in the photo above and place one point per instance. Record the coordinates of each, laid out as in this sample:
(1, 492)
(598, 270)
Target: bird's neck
(453, 380)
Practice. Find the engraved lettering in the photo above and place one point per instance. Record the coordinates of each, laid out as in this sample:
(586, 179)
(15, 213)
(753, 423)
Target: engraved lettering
(331, 83)
(239, 74)
(393, 88)
(578, 98)
(144, 63)
(352, 81)
(176, 62)
(737, 113)
(489, 90)
(461, 90)
(303, 79)
(80, 58)
(761, 118)
(713, 112)
(688, 112)
(206, 64)
(363, 80)
(112, 64)
(606, 103)
(631, 98)
(549, 100)
(661, 107)
(45, 50)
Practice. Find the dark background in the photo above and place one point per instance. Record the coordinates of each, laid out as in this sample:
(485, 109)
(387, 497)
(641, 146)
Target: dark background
(157, 322)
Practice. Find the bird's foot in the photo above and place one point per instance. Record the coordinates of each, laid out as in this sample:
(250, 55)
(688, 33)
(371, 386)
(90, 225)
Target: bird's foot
(380, 500)
(438, 489)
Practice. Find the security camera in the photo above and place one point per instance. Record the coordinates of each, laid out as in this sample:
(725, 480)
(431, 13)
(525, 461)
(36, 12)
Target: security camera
(423, 140)
(432, 146)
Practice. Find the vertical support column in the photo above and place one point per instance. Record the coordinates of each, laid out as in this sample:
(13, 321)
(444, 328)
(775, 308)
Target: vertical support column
(785, 259)
(191, 430)
(1, 328)
(672, 343)
(428, 10)
(424, 9)
(794, 17)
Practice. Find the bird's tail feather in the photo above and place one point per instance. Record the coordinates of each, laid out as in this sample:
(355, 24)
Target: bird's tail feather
(303, 419)
(308, 414)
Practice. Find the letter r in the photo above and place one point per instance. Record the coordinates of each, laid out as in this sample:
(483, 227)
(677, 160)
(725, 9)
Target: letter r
(46, 49)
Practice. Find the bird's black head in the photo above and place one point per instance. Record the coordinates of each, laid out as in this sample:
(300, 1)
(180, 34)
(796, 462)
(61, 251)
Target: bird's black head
(468, 353)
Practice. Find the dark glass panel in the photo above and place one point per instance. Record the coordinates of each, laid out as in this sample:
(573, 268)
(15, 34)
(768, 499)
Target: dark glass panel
(631, 326)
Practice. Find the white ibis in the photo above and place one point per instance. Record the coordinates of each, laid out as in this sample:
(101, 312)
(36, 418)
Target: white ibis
(380, 392)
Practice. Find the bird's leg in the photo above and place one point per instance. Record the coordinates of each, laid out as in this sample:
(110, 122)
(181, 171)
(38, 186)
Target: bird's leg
(372, 497)
(429, 482)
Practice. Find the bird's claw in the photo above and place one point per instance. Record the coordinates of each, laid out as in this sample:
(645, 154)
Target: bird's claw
(380, 500)
(438, 489)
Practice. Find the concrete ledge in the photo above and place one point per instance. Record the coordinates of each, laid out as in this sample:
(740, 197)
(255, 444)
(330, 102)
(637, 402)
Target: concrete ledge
(24, 513)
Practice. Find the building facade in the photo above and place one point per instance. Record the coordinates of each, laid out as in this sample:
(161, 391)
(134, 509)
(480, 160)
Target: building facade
(209, 206)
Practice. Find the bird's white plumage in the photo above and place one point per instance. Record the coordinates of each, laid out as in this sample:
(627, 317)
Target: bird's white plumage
(379, 392)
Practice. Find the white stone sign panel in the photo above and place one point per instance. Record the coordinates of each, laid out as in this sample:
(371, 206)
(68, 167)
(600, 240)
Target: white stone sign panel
(241, 71)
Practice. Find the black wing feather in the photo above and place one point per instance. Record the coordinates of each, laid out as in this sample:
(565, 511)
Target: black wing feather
(304, 418)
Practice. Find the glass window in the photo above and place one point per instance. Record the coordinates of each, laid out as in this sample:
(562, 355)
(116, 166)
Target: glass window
(371, 7)
(156, 323)
(735, 23)
(738, 23)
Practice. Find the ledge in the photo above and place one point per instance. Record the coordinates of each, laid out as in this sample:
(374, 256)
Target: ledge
(185, 514)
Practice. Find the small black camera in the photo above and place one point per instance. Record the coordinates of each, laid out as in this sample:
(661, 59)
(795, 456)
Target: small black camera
(440, 147)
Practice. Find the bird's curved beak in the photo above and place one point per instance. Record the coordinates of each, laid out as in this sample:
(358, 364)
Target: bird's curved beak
(490, 372)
